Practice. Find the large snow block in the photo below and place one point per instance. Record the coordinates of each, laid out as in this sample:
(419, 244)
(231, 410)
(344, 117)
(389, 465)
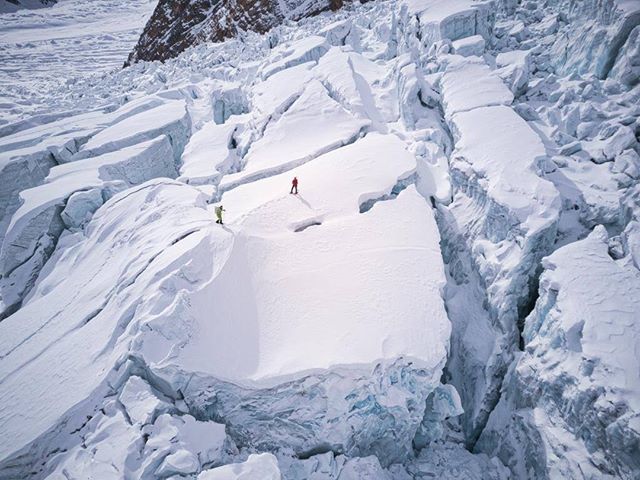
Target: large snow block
(80, 206)
(384, 157)
(327, 352)
(500, 163)
(37, 224)
(335, 71)
(170, 119)
(469, 46)
(57, 369)
(294, 53)
(277, 93)
(300, 373)
(140, 403)
(209, 154)
(450, 19)
(348, 77)
(461, 95)
(573, 396)
(184, 291)
(514, 69)
(298, 136)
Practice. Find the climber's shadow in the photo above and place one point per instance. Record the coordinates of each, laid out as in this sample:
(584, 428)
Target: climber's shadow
(301, 198)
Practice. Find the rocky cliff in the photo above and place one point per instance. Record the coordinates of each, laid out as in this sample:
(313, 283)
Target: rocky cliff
(177, 25)
(7, 6)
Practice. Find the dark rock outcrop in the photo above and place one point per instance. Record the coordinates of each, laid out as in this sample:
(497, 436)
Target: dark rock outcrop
(178, 24)
(7, 6)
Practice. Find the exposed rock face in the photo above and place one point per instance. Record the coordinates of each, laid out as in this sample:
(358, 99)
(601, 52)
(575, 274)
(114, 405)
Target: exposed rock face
(177, 25)
(13, 5)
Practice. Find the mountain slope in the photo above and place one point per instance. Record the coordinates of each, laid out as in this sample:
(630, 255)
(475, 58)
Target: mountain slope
(175, 26)
(14, 5)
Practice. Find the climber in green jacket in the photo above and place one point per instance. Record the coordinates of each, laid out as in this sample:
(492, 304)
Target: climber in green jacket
(219, 209)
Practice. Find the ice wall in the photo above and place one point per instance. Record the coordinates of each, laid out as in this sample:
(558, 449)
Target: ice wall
(593, 35)
(572, 395)
(495, 234)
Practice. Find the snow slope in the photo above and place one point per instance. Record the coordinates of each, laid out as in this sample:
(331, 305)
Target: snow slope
(84, 347)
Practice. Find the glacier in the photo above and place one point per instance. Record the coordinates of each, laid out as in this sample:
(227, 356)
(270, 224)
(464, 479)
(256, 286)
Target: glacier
(453, 293)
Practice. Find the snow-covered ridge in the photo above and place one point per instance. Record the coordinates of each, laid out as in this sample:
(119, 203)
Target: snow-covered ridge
(414, 311)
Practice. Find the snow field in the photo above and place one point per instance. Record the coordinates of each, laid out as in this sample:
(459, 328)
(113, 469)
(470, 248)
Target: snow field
(56, 47)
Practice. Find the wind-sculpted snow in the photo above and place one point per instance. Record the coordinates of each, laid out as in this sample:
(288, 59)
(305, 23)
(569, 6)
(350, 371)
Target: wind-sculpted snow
(347, 76)
(74, 333)
(572, 395)
(37, 224)
(209, 155)
(460, 96)
(298, 136)
(168, 119)
(286, 56)
(275, 95)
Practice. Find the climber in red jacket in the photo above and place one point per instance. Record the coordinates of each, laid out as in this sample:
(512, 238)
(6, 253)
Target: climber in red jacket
(294, 185)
